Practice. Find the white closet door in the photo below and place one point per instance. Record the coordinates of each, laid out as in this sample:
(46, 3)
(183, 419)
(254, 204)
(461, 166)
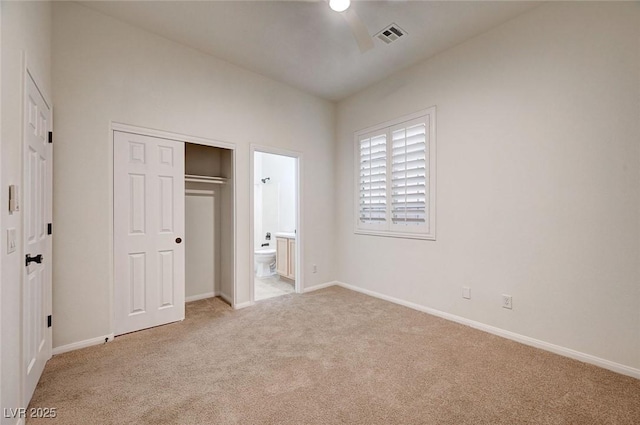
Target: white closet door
(37, 244)
(149, 219)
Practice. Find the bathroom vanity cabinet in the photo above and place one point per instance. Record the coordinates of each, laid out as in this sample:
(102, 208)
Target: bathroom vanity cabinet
(286, 255)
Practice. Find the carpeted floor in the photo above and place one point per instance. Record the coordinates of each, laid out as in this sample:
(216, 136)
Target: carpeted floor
(328, 357)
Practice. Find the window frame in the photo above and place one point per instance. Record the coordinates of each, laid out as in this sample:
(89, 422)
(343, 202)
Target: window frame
(389, 229)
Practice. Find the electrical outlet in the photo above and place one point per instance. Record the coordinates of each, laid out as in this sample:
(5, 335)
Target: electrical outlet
(466, 292)
(507, 302)
(314, 268)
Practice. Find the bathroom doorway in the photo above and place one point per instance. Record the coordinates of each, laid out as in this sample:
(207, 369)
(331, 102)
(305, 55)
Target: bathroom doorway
(275, 223)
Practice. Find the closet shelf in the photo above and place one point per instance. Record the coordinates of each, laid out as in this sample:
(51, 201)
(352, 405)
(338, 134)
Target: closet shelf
(204, 179)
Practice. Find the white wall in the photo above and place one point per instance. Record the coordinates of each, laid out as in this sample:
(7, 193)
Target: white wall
(282, 170)
(105, 70)
(538, 180)
(268, 193)
(258, 233)
(26, 29)
(275, 203)
(200, 253)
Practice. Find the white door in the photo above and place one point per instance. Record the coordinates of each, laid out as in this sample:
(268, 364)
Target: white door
(36, 207)
(148, 231)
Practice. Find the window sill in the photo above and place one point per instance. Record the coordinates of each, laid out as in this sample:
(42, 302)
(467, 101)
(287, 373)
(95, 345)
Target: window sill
(388, 234)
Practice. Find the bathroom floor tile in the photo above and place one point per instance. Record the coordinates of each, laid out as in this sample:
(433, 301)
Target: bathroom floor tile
(271, 287)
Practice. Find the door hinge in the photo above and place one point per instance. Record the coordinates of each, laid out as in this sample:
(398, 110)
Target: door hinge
(49, 228)
(51, 137)
(49, 321)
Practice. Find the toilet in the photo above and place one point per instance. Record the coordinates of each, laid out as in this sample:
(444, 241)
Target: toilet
(264, 259)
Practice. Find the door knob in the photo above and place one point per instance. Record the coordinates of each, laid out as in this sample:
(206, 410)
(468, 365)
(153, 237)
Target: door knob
(37, 259)
(178, 240)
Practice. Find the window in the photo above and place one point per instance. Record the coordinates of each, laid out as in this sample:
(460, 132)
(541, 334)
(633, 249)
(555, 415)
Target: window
(395, 166)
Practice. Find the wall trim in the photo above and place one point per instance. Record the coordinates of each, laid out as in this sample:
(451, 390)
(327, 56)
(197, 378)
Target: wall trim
(225, 297)
(200, 297)
(556, 349)
(163, 134)
(321, 286)
(543, 345)
(243, 305)
(82, 344)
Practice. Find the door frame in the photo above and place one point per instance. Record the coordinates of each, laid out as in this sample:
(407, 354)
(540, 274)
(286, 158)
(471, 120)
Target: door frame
(299, 283)
(2, 184)
(128, 128)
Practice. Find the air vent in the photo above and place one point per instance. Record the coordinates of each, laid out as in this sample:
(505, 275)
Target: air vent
(391, 33)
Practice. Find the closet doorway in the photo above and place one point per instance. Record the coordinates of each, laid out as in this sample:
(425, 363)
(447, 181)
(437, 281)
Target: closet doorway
(208, 211)
(276, 252)
(174, 208)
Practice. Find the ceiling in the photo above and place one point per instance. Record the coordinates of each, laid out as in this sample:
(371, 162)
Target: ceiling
(307, 45)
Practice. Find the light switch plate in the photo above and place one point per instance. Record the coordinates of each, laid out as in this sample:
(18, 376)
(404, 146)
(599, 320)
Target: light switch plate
(466, 292)
(11, 240)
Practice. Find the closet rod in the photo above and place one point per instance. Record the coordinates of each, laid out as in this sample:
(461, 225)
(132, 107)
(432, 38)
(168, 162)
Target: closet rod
(204, 179)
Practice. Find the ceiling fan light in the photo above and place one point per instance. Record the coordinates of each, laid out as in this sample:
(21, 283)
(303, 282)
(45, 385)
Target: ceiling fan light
(339, 5)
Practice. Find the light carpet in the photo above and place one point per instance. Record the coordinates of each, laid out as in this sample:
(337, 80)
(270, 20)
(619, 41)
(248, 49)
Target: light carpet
(328, 357)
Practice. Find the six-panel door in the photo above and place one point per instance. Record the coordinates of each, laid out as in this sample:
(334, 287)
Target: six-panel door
(36, 205)
(149, 253)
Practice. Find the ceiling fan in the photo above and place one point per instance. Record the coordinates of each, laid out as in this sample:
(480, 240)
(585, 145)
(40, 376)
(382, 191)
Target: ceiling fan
(359, 30)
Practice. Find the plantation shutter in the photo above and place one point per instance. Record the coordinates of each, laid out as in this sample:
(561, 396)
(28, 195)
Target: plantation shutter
(395, 181)
(373, 180)
(409, 176)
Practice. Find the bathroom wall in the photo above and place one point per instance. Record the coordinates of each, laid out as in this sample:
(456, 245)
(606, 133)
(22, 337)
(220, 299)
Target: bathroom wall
(269, 192)
(275, 200)
(258, 233)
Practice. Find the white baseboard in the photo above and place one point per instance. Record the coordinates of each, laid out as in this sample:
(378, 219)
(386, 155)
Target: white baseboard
(199, 297)
(557, 349)
(320, 286)
(226, 297)
(242, 305)
(82, 344)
